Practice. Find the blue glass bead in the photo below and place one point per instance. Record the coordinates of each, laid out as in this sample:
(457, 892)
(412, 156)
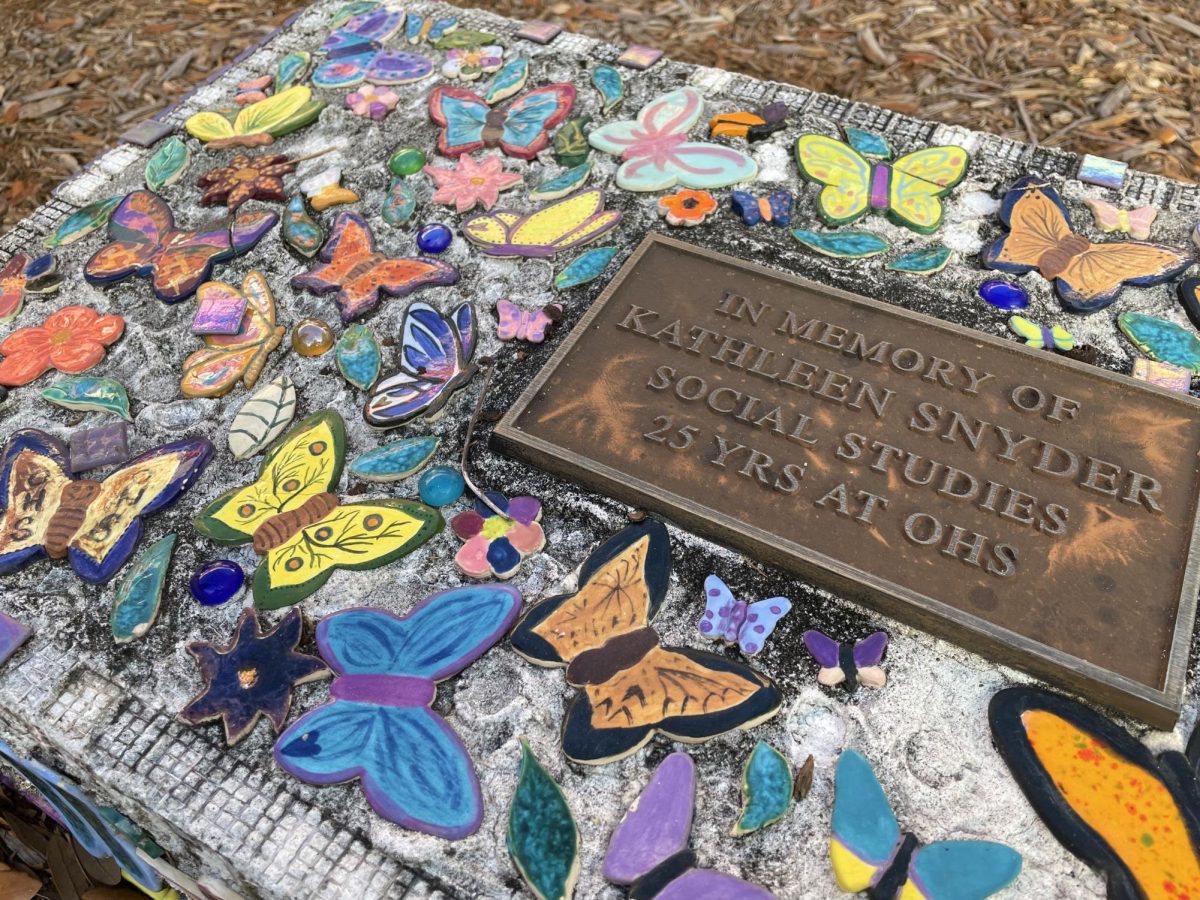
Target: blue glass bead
(441, 485)
(216, 582)
(434, 238)
(1004, 294)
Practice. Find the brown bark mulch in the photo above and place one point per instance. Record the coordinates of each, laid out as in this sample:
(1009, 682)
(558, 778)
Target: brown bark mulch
(1120, 78)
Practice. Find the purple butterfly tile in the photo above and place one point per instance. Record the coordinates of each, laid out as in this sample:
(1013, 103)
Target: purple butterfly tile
(105, 445)
(219, 313)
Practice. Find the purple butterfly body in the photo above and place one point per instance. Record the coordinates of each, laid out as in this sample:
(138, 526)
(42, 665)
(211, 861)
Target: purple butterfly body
(648, 850)
(530, 325)
(774, 209)
(843, 663)
(728, 619)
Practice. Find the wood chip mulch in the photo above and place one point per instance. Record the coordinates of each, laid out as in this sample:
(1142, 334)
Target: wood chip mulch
(1120, 78)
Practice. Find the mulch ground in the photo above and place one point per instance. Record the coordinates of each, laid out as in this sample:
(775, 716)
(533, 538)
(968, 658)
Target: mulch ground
(1120, 78)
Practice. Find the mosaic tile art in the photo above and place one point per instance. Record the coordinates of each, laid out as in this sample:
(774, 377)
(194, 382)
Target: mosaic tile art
(472, 161)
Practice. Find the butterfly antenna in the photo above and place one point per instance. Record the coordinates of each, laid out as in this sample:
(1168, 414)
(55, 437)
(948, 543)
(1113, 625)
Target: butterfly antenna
(489, 367)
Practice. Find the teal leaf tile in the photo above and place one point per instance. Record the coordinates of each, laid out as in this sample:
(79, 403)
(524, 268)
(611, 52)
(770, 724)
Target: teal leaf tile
(135, 605)
(395, 460)
(586, 267)
(542, 838)
(89, 392)
(842, 244)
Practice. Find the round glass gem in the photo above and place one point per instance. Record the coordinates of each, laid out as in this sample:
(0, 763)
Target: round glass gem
(434, 238)
(440, 485)
(406, 161)
(312, 337)
(216, 582)
(1004, 294)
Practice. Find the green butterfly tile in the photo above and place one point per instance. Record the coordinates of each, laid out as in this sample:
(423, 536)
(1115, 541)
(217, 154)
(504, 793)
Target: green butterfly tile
(842, 244)
(135, 605)
(543, 840)
(1162, 340)
(89, 392)
(766, 789)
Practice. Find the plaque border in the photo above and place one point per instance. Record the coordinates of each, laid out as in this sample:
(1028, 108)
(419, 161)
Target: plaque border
(1159, 707)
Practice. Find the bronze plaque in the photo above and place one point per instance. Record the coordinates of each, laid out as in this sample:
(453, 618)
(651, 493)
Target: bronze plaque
(1037, 510)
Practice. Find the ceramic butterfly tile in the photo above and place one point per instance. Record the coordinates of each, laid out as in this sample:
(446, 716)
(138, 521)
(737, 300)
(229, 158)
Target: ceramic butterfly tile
(520, 129)
(352, 268)
(861, 177)
(302, 531)
(846, 664)
(259, 123)
(94, 525)
(436, 359)
(1136, 222)
(354, 53)
(420, 28)
(378, 725)
(657, 153)
(774, 209)
(1086, 276)
(563, 225)
(226, 358)
(1103, 794)
(630, 687)
(725, 618)
(870, 853)
(144, 241)
(648, 849)
(1039, 337)
(530, 325)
